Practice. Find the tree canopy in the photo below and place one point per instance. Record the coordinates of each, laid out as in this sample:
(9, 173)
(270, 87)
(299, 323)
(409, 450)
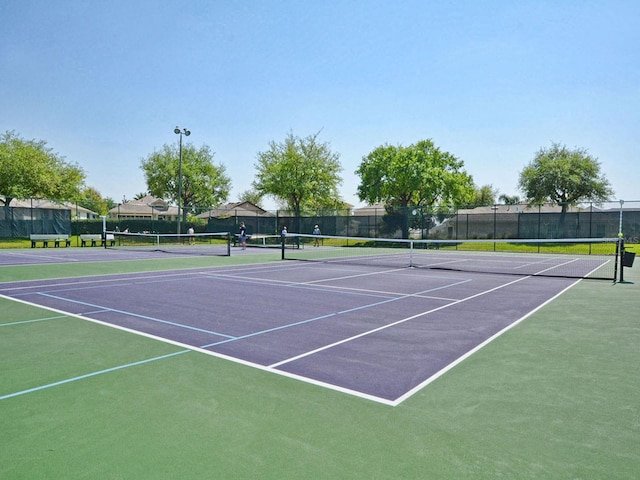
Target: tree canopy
(485, 195)
(203, 182)
(90, 198)
(417, 175)
(251, 196)
(29, 168)
(565, 177)
(509, 199)
(302, 173)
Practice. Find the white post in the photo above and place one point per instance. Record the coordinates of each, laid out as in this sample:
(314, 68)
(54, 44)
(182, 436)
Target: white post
(620, 234)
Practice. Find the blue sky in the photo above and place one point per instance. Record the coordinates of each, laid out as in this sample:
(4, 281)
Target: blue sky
(492, 82)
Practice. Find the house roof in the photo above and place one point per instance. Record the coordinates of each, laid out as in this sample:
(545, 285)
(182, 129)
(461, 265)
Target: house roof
(50, 204)
(144, 205)
(525, 208)
(235, 208)
(375, 209)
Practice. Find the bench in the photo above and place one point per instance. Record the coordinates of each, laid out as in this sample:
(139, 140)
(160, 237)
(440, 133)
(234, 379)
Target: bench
(57, 239)
(93, 239)
(90, 238)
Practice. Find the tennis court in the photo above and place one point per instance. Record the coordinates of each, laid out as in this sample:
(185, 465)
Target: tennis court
(380, 333)
(309, 352)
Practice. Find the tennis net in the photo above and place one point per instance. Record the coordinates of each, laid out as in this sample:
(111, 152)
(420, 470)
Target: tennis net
(260, 241)
(572, 258)
(212, 244)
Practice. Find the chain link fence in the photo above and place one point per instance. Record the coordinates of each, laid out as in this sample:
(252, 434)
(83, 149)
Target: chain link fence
(21, 218)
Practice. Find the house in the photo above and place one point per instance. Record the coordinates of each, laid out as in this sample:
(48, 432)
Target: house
(77, 212)
(235, 209)
(525, 221)
(375, 210)
(227, 218)
(146, 208)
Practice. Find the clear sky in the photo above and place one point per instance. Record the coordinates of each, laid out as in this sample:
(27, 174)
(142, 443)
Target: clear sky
(104, 83)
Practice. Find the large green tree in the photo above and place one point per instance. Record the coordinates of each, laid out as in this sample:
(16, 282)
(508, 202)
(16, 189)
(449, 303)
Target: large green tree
(302, 173)
(29, 168)
(204, 183)
(417, 175)
(564, 176)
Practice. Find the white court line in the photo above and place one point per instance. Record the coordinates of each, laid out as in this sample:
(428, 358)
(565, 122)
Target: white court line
(201, 349)
(272, 369)
(341, 289)
(384, 327)
(110, 278)
(136, 315)
(38, 256)
(187, 348)
(463, 357)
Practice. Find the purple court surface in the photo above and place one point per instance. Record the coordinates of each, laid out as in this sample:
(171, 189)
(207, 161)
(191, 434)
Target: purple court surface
(51, 255)
(381, 334)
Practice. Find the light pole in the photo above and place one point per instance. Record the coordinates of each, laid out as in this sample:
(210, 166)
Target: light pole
(180, 131)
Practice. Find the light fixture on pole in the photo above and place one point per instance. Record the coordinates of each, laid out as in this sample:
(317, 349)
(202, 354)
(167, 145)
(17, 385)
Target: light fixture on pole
(180, 131)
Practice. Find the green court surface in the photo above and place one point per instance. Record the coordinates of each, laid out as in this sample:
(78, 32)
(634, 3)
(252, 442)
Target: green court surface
(557, 396)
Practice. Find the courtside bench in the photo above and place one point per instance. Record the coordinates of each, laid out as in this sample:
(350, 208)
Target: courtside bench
(92, 239)
(57, 239)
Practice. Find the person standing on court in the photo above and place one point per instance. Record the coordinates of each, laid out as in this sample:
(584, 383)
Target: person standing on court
(243, 235)
(316, 232)
(190, 232)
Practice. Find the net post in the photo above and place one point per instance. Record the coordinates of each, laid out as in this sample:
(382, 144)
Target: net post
(621, 243)
(621, 259)
(411, 254)
(104, 230)
(282, 238)
(615, 262)
(228, 244)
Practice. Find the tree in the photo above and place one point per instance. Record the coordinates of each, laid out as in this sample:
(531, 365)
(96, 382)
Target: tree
(509, 199)
(301, 172)
(564, 177)
(485, 195)
(417, 175)
(111, 203)
(251, 196)
(29, 168)
(203, 183)
(91, 199)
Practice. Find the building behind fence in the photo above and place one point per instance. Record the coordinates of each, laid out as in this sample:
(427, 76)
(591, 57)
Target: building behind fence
(21, 218)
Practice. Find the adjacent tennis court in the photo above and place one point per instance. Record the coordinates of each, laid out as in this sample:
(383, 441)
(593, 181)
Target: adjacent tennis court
(302, 355)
